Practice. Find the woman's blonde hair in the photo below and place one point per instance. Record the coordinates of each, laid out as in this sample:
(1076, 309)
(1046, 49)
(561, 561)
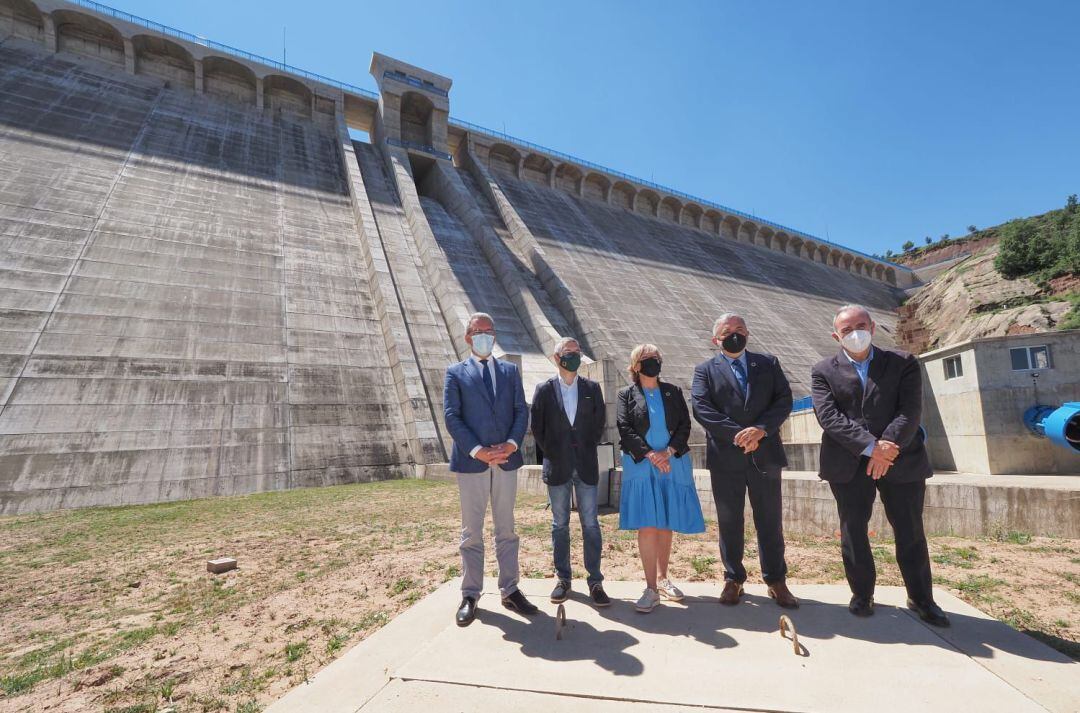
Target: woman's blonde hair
(635, 357)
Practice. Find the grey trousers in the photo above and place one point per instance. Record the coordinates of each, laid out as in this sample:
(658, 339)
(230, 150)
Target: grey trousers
(476, 489)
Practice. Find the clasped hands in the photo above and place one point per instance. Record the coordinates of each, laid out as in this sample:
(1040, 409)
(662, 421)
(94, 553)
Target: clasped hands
(661, 459)
(881, 459)
(497, 454)
(749, 438)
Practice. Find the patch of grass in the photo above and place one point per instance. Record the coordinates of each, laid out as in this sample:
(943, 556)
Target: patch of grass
(884, 554)
(294, 651)
(702, 565)
(374, 620)
(1015, 537)
(963, 557)
(248, 707)
(336, 643)
(978, 586)
(137, 708)
(401, 585)
(452, 570)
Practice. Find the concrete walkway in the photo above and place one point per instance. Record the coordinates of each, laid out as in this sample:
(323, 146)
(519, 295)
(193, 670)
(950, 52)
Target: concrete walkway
(689, 656)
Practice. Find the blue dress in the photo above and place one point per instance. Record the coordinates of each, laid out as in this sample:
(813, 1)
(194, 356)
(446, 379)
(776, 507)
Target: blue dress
(650, 498)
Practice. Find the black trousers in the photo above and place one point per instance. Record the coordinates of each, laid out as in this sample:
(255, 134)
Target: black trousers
(729, 493)
(903, 504)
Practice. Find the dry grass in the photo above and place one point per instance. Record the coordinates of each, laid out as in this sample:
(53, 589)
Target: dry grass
(112, 609)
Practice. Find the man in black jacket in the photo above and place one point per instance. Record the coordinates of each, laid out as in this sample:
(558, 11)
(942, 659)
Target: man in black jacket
(868, 401)
(568, 422)
(741, 398)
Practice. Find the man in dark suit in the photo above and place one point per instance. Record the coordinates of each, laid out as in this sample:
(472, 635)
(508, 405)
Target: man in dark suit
(741, 398)
(868, 401)
(568, 422)
(486, 415)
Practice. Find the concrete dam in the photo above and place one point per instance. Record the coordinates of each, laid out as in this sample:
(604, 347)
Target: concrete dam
(208, 286)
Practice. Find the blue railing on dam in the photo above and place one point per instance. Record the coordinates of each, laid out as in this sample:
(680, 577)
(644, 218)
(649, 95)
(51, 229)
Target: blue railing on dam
(804, 404)
(461, 123)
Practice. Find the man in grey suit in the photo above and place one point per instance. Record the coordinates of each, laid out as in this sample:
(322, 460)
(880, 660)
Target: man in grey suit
(486, 415)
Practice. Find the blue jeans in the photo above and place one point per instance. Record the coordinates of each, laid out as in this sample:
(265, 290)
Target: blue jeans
(559, 496)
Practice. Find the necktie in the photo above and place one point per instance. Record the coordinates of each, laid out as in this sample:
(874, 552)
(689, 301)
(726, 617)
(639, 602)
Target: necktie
(740, 374)
(488, 383)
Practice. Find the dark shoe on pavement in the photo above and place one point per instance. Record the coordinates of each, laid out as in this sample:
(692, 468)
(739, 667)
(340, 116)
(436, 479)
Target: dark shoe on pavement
(732, 591)
(466, 611)
(599, 596)
(929, 612)
(861, 606)
(783, 596)
(517, 602)
(561, 592)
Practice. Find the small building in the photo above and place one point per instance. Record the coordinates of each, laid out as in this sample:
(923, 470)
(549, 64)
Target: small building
(975, 395)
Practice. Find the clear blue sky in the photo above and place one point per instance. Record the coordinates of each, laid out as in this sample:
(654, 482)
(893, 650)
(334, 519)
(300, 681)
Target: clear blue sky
(868, 123)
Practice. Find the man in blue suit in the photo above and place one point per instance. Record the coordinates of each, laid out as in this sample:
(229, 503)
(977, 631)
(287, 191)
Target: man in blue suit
(486, 415)
(741, 398)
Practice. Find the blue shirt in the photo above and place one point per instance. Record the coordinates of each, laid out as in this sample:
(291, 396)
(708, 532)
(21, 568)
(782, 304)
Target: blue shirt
(742, 360)
(862, 368)
(569, 397)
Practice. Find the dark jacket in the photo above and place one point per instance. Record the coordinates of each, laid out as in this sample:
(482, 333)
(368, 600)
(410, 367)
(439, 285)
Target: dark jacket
(567, 447)
(722, 411)
(851, 419)
(632, 416)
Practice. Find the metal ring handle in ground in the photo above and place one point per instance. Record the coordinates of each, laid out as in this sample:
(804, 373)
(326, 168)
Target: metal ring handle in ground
(785, 624)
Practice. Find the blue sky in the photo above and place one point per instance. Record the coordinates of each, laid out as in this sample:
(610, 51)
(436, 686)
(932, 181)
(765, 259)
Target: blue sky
(868, 123)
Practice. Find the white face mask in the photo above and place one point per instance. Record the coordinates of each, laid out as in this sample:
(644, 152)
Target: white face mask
(857, 341)
(482, 344)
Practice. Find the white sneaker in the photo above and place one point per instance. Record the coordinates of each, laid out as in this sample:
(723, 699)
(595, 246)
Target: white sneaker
(649, 600)
(669, 591)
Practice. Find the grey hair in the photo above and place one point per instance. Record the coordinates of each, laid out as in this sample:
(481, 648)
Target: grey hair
(562, 343)
(850, 308)
(475, 316)
(725, 317)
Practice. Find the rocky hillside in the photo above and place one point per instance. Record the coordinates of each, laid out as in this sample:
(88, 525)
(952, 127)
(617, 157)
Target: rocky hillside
(973, 299)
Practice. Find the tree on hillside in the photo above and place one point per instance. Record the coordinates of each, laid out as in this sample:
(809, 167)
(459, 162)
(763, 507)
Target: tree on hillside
(908, 246)
(928, 239)
(888, 254)
(1014, 249)
(972, 229)
(1070, 204)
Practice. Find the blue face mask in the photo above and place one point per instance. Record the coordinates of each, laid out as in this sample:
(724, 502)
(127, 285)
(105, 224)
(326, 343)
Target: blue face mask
(482, 344)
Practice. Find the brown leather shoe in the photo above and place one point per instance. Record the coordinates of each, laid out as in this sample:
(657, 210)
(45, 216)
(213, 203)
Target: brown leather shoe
(783, 596)
(732, 592)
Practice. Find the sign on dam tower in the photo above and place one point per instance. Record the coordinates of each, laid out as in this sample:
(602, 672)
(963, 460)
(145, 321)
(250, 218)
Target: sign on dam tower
(414, 107)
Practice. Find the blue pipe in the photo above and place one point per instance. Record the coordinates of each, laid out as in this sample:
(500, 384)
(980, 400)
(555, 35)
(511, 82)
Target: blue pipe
(1061, 424)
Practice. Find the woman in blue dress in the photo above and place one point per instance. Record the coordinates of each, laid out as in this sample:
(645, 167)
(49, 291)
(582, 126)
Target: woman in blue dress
(658, 494)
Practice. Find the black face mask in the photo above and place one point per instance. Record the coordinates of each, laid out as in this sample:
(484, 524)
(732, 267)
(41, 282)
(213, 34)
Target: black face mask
(570, 361)
(734, 343)
(650, 366)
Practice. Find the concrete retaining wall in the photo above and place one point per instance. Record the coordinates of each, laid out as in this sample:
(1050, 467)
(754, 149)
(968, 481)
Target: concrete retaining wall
(963, 505)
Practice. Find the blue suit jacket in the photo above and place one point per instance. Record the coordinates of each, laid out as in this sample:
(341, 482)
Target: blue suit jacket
(474, 420)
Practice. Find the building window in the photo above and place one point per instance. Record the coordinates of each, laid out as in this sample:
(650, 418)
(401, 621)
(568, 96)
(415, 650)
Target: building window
(954, 368)
(1025, 358)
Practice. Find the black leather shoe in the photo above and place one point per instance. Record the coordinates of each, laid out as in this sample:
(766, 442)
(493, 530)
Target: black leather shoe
(929, 612)
(466, 612)
(560, 592)
(517, 602)
(861, 606)
(599, 596)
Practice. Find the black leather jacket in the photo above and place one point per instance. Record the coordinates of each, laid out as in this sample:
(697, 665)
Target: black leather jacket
(632, 416)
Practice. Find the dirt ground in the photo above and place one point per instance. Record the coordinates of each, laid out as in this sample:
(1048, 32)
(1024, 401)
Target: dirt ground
(111, 609)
